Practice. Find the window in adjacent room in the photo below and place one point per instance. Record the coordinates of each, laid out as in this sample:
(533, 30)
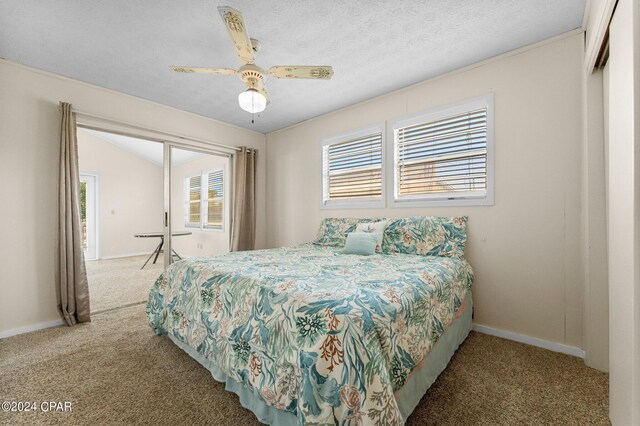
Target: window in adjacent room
(204, 200)
(445, 156)
(352, 169)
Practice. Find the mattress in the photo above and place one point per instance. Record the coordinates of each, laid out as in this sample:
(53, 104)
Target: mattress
(307, 334)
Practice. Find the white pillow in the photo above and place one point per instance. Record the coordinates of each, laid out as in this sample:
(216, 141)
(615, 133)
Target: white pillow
(376, 228)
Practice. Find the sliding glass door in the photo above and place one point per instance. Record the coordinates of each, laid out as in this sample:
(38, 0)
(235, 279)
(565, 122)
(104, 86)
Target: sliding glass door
(160, 200)
(147, 199)
(197, 203)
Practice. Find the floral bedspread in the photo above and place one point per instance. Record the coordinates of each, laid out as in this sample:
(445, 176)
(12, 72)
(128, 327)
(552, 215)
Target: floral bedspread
(326, 336)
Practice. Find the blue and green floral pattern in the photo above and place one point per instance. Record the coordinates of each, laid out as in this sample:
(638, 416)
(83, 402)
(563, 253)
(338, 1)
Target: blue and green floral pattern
(326, 336)
(333, 231)
(426, 236)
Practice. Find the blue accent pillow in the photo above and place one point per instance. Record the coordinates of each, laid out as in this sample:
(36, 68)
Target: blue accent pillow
(362, 243)
(333, 231)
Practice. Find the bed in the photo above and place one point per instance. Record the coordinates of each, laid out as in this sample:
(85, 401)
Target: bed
(310, 335)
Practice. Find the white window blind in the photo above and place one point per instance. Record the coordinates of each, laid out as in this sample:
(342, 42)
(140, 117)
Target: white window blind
(444, 158)
(353, 169)
(214, 201)
(204, 200)
(194, 190)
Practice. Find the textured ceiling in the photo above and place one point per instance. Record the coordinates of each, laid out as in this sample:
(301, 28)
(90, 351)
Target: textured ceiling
(374, 46)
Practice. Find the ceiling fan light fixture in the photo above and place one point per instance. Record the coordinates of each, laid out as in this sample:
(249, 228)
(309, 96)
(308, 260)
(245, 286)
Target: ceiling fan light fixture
(252, 101)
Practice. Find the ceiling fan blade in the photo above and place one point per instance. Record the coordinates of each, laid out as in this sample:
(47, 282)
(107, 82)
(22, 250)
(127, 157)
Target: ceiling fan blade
(295, 71)
(238, 32)
(223, 71)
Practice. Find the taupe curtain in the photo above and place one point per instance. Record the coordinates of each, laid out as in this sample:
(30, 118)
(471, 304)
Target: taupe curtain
(72, 288)
(243, 225)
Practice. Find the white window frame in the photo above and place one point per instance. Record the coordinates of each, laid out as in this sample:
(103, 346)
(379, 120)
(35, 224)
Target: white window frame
(434, 114)
(344, 137)
(204, 199)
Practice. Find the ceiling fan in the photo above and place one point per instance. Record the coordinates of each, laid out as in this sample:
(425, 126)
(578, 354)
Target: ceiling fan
(255, 98)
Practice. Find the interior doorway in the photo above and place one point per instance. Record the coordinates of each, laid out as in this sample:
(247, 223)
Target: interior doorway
(154, 198)
(122, 179)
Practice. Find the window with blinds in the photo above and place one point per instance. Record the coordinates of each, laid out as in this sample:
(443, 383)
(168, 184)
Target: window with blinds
(194, 203)
(204, 200)
(443, 156)
(214, 201)
(352, 168)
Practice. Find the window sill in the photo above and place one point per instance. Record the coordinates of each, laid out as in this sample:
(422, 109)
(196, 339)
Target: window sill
(379, 204)
(219, 231)
(456, 202)
(198, 229)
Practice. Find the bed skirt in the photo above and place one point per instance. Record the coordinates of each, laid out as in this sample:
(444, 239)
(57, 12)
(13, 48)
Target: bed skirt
(420, 379)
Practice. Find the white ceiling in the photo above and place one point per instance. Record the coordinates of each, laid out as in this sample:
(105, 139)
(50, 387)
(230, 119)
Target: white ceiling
(375, 46)
(147, 150)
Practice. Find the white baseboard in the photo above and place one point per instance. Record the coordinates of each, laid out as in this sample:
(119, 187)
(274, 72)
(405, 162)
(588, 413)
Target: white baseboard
(534, 341)
(30, 328)
(119, 256)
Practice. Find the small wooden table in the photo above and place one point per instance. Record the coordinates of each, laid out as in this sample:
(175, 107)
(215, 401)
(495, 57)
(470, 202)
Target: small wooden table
(158, 249)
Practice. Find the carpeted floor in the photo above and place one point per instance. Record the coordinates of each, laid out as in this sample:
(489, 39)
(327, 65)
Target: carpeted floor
(119, 282)
(116, 371)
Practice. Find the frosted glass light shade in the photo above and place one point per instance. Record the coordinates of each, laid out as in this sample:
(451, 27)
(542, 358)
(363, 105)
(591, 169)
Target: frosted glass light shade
(252, 101)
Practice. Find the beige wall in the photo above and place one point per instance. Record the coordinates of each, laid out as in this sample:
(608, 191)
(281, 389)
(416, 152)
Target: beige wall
(29, 127)
(526, 249)
(205, 242)
(130, 197)
(624, 213)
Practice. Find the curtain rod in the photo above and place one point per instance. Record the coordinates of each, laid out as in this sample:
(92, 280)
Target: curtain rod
(148, 129)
